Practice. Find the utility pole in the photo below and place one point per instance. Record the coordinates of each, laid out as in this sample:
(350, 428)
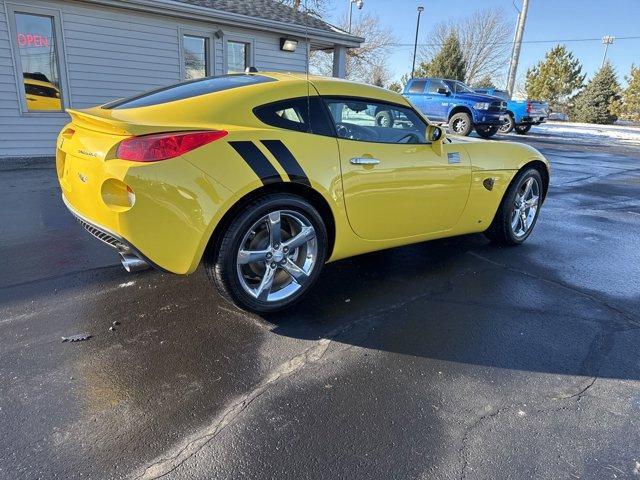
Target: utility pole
(517, 44)
(606, 41)
(415, 44)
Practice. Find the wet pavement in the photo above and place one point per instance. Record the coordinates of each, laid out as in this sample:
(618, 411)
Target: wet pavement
(448, 359)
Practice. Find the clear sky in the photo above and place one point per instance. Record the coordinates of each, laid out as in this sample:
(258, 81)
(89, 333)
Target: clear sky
(546, 20)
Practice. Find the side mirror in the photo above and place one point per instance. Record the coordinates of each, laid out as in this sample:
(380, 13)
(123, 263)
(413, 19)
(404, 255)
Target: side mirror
(435, 136)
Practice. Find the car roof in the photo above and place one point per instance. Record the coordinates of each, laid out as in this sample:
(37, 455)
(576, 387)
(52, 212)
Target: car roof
(332, 86)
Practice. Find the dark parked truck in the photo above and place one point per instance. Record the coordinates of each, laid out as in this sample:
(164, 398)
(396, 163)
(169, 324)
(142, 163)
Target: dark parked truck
(453, 103)
(522, 113)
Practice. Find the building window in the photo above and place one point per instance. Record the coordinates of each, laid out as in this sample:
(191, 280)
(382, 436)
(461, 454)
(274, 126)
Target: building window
(195, 56)
(237, 56)
(38, 57)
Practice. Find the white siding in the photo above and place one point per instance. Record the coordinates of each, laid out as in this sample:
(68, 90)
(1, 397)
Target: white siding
(112, 53)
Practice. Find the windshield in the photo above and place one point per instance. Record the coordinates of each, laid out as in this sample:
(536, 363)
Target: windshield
(458, 87)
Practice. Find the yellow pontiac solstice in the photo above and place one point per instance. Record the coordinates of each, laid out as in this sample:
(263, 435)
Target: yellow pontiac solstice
(266, 176)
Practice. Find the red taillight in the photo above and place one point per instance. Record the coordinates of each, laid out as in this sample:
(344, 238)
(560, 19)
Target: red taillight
(68, 133)
(152, 148)
(529, 108)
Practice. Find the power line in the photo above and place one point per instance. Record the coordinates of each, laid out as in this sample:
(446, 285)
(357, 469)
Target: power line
(565, 40)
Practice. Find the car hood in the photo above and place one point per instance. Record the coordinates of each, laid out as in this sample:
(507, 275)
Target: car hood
(478, 97)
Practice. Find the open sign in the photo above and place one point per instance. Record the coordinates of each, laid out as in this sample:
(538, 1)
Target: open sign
(32, 40)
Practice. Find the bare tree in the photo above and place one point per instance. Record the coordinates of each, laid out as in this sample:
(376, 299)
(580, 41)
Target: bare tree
(485, 37)
(314, 7)
(367, 63)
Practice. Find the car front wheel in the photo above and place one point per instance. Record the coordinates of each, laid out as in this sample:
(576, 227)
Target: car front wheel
(271, 253)
(519, 209)
(461, 124)
(508, 125)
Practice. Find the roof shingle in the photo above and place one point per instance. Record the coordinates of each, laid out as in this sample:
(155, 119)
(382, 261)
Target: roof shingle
(265, 9)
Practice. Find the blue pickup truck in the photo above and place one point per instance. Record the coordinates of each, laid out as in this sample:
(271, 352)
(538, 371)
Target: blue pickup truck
(522, 113)
(452, 102)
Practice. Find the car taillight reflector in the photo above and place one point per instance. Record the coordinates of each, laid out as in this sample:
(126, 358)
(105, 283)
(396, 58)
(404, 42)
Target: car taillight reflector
(68, 133)
(529, 108)
(163, 146)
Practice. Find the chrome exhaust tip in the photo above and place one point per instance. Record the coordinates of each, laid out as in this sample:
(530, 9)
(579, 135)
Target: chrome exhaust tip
(132, 263)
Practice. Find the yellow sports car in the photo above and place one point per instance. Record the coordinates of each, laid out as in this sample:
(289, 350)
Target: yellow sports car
(266, 176)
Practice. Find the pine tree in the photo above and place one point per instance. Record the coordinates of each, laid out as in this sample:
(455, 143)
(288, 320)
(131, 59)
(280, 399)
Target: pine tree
(630, 100)
(597, 102)
(555, 78)
(484, 82)
(449, 61)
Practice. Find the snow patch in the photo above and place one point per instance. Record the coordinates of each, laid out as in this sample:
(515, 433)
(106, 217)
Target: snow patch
(127, 284)
(582, 132)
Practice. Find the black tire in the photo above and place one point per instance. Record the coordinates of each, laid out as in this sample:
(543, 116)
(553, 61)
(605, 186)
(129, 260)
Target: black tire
(522, 129)
(487, 132)
(384, 119)
(461, 124)
(508, 125)
(221, 263)
(500, 231)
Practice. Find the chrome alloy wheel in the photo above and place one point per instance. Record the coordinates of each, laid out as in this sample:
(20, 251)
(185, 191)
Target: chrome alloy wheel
(459, 125)
(525, 207)
(277, 255)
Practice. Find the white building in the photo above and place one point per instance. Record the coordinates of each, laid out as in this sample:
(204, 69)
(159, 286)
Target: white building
(57, 54)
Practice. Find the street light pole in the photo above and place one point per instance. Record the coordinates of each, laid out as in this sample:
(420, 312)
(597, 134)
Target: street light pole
(415, 44)
(359, 4)
(606, 41)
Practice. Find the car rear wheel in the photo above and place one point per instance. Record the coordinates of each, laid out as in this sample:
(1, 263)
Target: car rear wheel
(522, 129)
(487, 132)
(271, 253)
(519, 209)
(461, 124)
(508, 125)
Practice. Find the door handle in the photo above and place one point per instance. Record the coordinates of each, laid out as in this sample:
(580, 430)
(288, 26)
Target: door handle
(364, 161)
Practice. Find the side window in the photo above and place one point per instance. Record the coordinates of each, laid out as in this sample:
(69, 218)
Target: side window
(435, 85)
(304, 114)
(371, 121)
(417, 86)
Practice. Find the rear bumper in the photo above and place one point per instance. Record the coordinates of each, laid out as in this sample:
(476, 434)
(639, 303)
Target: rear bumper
(533, 120)
(113, 240)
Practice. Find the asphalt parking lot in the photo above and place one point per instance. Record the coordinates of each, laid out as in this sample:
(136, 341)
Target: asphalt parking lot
(449, 359)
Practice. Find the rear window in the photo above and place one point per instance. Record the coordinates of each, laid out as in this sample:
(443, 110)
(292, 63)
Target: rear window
(305, 114)
(192, 88)
(417, 86)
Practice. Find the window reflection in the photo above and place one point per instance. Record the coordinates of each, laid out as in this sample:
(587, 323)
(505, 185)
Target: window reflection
(39, 60)
(195, 57)
(237, 53)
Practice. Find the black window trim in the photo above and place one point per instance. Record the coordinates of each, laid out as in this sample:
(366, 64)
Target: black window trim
(373, 100)
(121, 101)
(323, 107)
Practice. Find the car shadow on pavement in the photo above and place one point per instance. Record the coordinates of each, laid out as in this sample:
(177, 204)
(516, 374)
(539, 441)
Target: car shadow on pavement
(449, 301)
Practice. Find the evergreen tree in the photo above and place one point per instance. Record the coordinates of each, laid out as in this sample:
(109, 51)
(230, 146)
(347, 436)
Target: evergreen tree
(555, 78)
(484, 82)
(449, 61)
(598, 101)
(630, 101)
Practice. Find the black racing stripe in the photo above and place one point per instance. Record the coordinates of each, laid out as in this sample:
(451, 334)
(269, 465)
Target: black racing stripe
(285, 158)
(257, 161)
